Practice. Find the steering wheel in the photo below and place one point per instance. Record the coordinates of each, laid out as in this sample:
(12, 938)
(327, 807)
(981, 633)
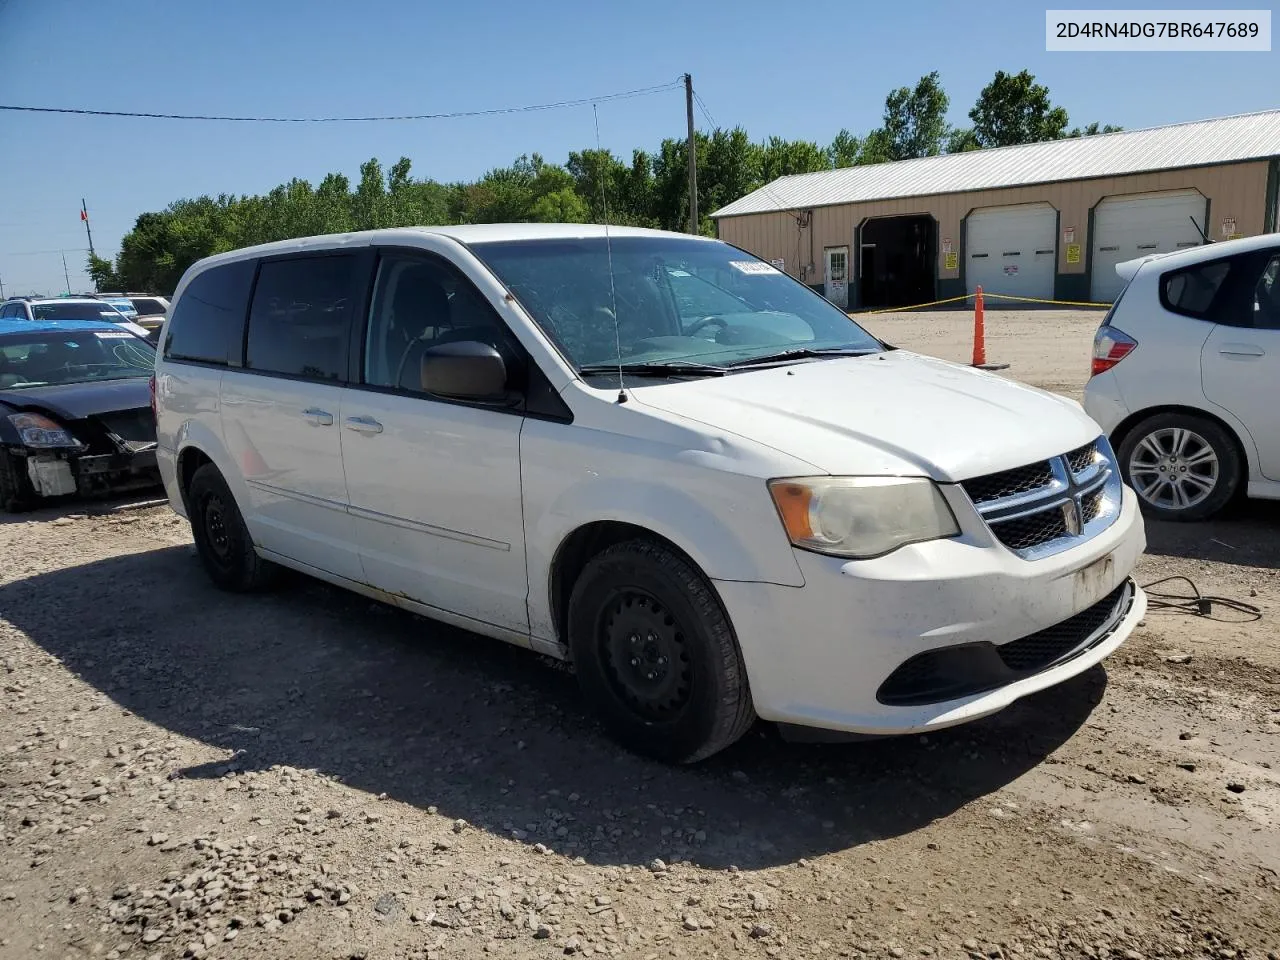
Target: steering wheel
(696, 327)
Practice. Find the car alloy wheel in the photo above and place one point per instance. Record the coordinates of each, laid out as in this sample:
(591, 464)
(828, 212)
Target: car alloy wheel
(1174, 468)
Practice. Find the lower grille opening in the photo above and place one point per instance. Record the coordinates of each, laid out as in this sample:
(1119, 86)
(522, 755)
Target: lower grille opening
(948, 673)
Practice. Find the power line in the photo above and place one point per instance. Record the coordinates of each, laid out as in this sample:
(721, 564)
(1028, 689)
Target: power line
(36, 253)
(705, 112)
(458, 114)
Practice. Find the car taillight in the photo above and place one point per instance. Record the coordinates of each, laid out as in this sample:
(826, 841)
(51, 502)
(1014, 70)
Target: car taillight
(155, 415)
(1110, 346)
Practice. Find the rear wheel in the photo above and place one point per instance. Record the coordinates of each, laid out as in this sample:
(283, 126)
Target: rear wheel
(1182, 467)
(221, 537)
(655, 654)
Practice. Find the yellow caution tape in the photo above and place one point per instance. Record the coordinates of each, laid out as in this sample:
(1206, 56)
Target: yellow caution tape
(1068, 303)
(914, 306)
(985, 296)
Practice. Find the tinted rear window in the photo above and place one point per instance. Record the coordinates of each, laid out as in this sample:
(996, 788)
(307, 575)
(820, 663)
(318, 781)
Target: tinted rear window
(1192, 290)
(147, 307)
(207, 324)
(300, 323)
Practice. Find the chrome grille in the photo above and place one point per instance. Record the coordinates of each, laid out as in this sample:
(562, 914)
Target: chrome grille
(1052, 505)
(1082, 458)
(1031, 530)
(1092, 506)
(1008, 483)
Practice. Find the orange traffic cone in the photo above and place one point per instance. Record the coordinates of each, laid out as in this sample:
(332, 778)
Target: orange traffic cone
(980, 336)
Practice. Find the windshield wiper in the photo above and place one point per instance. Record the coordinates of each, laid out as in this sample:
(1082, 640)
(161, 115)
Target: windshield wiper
(657, 368)
(802, 353)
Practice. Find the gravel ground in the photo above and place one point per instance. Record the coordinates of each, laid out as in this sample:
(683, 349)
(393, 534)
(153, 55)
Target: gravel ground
(308, 775)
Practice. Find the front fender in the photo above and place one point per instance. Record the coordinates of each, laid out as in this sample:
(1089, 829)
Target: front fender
(724, 521)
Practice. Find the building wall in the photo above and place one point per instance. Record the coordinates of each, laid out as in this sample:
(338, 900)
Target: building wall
(1238, 191)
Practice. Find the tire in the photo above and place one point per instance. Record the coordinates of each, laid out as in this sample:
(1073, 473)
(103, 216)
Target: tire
(15, 493)
(1197, 451)
(655, 654)
(222, 539)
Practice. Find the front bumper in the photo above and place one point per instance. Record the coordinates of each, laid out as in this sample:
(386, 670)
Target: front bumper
(819, 655)
(64, 473)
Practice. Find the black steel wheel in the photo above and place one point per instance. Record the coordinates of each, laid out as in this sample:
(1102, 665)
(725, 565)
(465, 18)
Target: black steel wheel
(646, 658)
(655, 653)
(222, 540)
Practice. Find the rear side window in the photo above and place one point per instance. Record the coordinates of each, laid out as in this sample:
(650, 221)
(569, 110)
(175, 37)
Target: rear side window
(1194, 290)
(207, 325)
(300, 321)
(147, 307)
(1266, 296)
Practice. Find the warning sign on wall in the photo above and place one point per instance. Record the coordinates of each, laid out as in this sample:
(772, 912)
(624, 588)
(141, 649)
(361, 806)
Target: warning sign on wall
(1228, 226)
(951, 261)
(1068, 235)
(946, 244)
(1073, 253)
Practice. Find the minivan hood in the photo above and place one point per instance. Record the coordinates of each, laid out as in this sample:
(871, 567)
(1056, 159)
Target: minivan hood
(892, 413)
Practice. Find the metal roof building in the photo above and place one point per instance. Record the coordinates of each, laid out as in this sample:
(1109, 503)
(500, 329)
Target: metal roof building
(1044, 220)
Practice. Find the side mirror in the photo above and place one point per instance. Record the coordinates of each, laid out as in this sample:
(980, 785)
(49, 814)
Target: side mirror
(464, 370)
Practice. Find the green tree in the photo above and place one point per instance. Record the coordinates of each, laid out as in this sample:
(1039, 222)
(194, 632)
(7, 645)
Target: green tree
(562, 206)
(1013, 108)
(962, 140)
(781, 158)
(1093, 129)
(103, 274)
(845, 150)
(876, 147)
(915, 121)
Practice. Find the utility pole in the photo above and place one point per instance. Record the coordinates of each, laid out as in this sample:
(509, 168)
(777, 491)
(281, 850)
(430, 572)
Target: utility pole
(1, 288)
(693, 155)
(66, 276)
(84, 215)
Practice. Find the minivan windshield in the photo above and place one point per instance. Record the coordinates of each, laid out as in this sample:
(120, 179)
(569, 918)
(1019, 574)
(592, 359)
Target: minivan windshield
(678, 301)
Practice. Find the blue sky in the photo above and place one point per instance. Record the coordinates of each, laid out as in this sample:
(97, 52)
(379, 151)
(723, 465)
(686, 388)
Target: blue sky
(796, 70)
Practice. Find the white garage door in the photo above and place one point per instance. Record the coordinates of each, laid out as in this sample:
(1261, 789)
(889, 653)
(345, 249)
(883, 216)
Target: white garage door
(1139, 225)
(1012, 250)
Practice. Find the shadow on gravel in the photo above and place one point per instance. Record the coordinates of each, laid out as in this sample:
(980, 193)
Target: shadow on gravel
(1247, 533)
(73, 507)
(314, 677)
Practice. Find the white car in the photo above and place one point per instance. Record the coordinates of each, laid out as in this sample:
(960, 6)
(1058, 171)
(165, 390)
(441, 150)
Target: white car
(67, 308)
(1186, 377)
(655, 456)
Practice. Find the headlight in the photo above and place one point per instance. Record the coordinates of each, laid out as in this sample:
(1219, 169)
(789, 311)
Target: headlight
(861, 517)
(38, 431)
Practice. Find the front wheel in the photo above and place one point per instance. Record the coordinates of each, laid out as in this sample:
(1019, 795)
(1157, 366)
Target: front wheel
(655, 654)
(1182, 467)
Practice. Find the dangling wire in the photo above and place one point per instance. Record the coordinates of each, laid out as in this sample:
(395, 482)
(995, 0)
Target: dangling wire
(1197, 604)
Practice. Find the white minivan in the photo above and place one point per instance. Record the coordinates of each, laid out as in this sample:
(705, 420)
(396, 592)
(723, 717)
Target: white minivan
(655, 456)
